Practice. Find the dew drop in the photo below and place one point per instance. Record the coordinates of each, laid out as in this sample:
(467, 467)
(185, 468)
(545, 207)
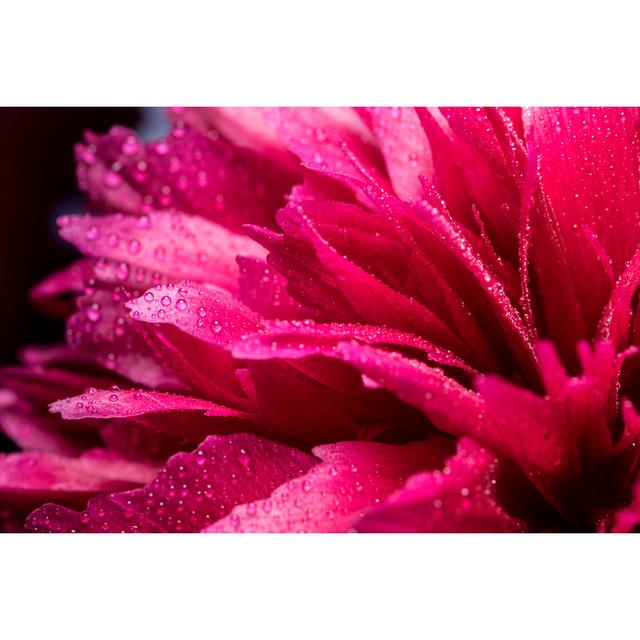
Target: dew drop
(92, 233)
(94, 312)
(134, 247)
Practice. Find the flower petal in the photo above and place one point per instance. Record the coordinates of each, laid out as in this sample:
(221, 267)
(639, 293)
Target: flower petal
(179, 245)
(589, 167)
(330, 140)
(404, 145)
(191, 491)
(450, 406)
(102, 330)
(50, 294)
(34, 432)
(322, 277)
(284, 338)
(206, 313)
(244, 126)
(207, 176)
(29, 479)
(566, 442)
(461, 498)
(352, 477)
(110, 403)
(264, 290)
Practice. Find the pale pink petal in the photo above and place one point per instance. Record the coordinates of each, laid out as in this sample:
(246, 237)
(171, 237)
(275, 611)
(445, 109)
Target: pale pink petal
(176, 244)
(331, 140)
(246, 127)
(404, 145)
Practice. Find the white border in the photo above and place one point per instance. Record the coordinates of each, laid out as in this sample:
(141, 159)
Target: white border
(329, 587)
(74, 52)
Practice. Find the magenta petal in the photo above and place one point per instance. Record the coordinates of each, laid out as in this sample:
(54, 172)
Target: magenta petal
(207, 176)
(264, 290)
(179, 245)
(191, 491)
(41, 385)
(246, 127)
(352, 477)
(203, 312)
(205, 368)
(189, 418)
(101, 329)
(451, 407)
(318, 272)
(300, 339)
(605, 179)
(34, 432)
(113, 403)
(573, 454)
(617, 317)
(133, 440)
(461, 498)
(29, 479)
(330, 140)
(50, 293)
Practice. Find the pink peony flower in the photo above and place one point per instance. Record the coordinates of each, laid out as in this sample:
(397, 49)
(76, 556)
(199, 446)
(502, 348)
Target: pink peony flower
(324, 320)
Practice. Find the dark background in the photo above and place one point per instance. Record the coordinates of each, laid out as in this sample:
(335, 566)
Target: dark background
(37, 183)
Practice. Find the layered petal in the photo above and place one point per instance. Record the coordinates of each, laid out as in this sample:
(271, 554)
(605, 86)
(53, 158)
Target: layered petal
(460, 498)
(589, 167)
(116, 403)
(332, 496)
(404, 145)
(29, 479)
(210, 314)
(176, 244)
(191, 491)
(207, 176)
(284, 338)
